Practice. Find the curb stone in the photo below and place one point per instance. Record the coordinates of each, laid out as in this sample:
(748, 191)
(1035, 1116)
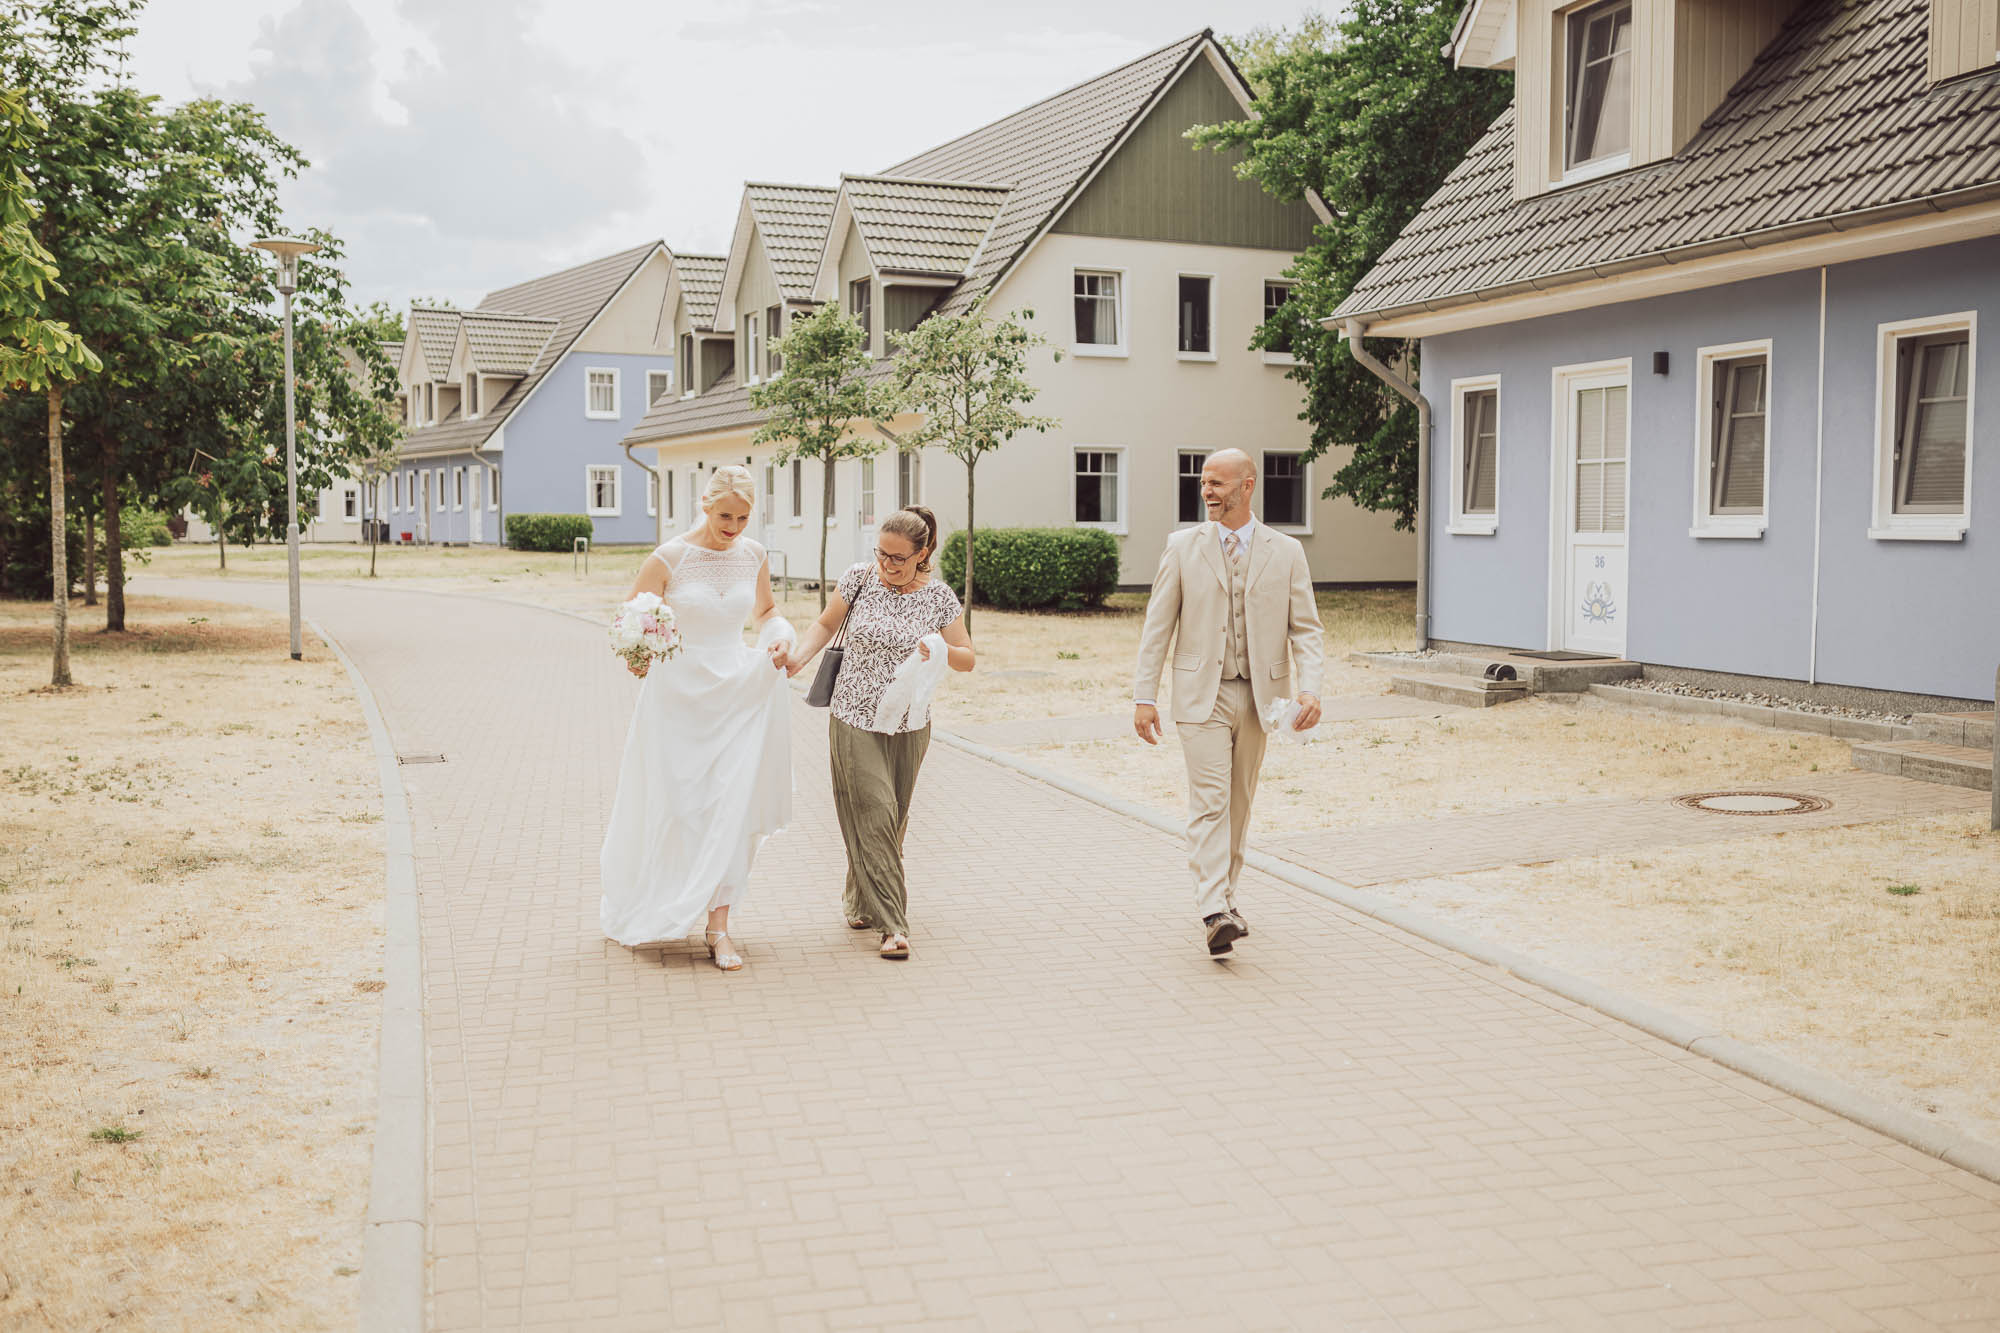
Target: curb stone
(393, 1239)
(1810, 1085)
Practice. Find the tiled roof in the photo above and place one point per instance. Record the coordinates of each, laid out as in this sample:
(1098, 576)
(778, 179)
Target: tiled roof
(504, 343)
(436, 330)
(392, 350)
(1836, 118)
(922, 226)
(725, 405)
(1044, 151)
(792, 220)
(701, 285)
(571, 298)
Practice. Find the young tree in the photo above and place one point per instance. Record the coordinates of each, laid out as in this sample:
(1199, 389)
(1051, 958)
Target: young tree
(967, 374)
(1372, 121)
(828, 388)
(37, 353)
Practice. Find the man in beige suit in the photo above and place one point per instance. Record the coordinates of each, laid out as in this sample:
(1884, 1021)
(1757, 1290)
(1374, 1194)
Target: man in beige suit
(1236, 599)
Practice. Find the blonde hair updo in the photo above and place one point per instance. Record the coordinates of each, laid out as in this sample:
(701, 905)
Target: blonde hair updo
(730, 479)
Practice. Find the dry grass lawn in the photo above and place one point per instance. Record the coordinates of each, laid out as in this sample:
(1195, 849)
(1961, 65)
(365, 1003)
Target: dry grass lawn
(190, 885)
(1870, 952)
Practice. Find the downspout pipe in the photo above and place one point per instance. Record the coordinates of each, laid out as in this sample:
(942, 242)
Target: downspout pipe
(1355, 329)
(660, 489)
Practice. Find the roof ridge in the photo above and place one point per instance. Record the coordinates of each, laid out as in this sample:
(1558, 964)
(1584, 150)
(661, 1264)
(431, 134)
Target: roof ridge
(789, 185)
(1205, 34)
(925, 180)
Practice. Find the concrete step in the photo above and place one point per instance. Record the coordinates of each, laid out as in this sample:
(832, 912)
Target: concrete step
(1973, 730)
(1541, 677)
(1929, 761)
(1465, 691)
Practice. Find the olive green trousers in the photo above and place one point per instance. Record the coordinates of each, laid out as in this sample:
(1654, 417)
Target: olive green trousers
(873, 778)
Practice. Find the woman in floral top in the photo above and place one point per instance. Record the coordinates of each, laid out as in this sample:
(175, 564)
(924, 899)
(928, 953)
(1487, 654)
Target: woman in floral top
(899, 610)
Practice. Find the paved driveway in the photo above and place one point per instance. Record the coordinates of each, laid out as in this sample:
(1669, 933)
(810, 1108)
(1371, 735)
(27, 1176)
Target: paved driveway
(1058, 1114)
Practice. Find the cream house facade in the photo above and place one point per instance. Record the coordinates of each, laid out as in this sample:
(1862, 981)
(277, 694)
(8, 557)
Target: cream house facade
(1146, 264)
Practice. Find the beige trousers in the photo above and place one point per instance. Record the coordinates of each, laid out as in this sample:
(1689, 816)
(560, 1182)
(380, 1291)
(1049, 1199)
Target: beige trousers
(1223, 755)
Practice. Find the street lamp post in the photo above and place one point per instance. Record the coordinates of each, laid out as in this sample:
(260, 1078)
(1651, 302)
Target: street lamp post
(288, 249)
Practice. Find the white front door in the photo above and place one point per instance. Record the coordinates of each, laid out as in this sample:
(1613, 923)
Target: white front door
(1594, 406)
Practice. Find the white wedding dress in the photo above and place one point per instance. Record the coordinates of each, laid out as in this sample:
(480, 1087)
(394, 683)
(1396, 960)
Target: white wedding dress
(707, 773)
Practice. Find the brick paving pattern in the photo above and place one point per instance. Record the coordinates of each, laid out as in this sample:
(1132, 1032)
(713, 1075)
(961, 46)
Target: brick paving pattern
(1529, 835)
(1029, 733)
(1058, 1115)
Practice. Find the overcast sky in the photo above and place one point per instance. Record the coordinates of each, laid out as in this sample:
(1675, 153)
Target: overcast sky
(461, 145)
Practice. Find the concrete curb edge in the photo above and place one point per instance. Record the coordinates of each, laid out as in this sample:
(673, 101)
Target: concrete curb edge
(392, 1247)
(1822, 1090)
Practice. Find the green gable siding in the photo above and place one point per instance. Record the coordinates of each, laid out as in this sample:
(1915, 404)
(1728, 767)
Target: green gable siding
(1158, 187)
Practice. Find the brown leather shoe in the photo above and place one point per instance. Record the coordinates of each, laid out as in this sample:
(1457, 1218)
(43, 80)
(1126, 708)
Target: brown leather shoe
(1241, 924)
(1223, 932)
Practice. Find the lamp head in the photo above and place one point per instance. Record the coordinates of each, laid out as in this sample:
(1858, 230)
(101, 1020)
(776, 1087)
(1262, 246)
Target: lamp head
(287, 249)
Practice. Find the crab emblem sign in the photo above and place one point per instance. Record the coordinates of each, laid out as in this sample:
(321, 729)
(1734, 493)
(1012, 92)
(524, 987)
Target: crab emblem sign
(1598, 608)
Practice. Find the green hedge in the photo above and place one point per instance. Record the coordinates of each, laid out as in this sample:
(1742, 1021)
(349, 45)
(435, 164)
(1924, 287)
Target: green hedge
(143, 527)
(546, 532)
(1019, 569)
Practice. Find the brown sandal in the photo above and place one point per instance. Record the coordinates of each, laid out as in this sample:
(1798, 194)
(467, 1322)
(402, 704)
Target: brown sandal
(895, 946)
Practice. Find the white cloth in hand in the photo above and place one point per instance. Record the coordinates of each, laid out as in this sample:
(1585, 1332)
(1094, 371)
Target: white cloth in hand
(776, 630)
(1283, 716)
(910, 690)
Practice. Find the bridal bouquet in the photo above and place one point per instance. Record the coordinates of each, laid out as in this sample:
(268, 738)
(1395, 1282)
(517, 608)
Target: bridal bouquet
(643, 631)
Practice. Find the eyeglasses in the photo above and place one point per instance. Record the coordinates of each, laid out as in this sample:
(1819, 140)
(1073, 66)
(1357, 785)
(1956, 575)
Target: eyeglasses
(894, 561)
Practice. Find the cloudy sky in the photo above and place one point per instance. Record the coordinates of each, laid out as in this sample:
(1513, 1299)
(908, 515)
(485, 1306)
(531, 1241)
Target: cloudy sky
(460, 145)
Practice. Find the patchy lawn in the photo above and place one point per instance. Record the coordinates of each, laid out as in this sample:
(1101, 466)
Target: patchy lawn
(190, 892)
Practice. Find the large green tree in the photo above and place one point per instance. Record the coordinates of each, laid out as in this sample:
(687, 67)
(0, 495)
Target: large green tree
(37, 354)
(822, 399)
(967, 374)
(1368, 115)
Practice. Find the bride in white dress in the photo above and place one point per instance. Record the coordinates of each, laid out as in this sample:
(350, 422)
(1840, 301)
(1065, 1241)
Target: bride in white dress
(707, 773)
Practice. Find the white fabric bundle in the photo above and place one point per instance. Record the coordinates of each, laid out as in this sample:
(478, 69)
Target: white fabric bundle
(911, 689)
(776, 630)
(1282, 716)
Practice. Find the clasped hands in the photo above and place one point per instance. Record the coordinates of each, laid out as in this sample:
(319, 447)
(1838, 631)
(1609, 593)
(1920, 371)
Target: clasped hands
(1146, 718)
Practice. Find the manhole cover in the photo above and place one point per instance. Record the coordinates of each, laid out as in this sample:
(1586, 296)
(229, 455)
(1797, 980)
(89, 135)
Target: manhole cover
(420, 759)
(1753, 803)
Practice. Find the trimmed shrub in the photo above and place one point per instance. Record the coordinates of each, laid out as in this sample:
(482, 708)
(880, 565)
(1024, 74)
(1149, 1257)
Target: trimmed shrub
(546, 532)
(1019, 569)
(143, 527)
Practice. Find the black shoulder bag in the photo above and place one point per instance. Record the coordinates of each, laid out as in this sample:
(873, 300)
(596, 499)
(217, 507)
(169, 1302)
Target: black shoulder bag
(821, 693)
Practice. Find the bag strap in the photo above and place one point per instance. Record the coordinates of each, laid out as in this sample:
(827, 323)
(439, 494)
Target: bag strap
(840, 635)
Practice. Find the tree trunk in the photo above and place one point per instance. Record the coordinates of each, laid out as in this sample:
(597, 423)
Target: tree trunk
(221, 543)
(114, 547)
(825, 513)
(970, 530)
(58, 539)
(370, 511)
(89, 558)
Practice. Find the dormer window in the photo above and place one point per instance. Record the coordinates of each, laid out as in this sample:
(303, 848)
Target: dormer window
(430, 404)
(1597, 88)
(774, 329)
(753, 347)
(471, 396)
(860, 304)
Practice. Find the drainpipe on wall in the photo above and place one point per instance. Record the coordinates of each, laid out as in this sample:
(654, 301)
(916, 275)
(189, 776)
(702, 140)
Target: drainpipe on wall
(1355, 330)
(492, 480)
(660, 489)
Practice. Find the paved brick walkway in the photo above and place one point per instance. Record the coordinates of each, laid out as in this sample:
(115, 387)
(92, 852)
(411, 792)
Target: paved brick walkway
(1058, 1115)
(1028, 733)
(1528, 835)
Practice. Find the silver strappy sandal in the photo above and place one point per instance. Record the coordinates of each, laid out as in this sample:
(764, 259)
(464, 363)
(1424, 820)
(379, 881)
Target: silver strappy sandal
(718, 951)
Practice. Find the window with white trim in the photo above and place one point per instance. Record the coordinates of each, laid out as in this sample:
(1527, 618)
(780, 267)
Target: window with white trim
(438, 491)
(430, 405)
(600, 394)
(600, 485)
(774, 329)
(457, 489)
(766, 500)
(753, 347)
(1475, 455)
(1733, 434)
(909, 479)
(1276, 293)
(493, 493)
(1924, 428)
(667, 489)
(867, 492)
(1100, 488)
(1196, 303)
(1286, 504)
(1188, 506)
(1597, 87)
(861, 305)
(472, 484)
(350, 504)
(471, 395)
(659, 383)
(396, 493)
(685, 366)
(1100, 313)
(798, 489)
(652, 493)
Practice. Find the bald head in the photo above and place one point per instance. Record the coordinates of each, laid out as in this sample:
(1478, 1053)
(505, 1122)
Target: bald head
(1228, 478)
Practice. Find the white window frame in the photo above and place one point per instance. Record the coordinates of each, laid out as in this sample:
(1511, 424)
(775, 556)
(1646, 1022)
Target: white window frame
(1890, 525)
(472, 403)
(590, 413)
(867, 501)
(797, 478)
(1122, 307)
(1179, 455)
(1305, 487)
(910, 468)
(590, 505)
(437, 500)
(1462, 524)
(350, 504)
(753, 346)
(396, 493)
(1708, 524)
(1122, 525)
(458, 490)
(652, 493)
(493, 489)
(656, 374)
(1214, 334)
(767, 502)
(1276, 358)
(1559, 105)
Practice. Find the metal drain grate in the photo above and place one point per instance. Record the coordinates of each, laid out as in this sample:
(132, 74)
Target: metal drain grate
(1753, 803)
(420, 759)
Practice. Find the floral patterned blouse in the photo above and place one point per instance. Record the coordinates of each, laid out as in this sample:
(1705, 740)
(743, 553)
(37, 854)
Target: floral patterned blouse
(882, 630)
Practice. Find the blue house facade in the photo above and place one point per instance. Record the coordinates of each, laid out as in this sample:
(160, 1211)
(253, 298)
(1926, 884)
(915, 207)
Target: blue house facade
(1717, 409)
(519, 405)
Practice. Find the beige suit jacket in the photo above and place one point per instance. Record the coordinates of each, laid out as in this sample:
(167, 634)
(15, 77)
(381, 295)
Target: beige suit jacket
(1189, 608)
